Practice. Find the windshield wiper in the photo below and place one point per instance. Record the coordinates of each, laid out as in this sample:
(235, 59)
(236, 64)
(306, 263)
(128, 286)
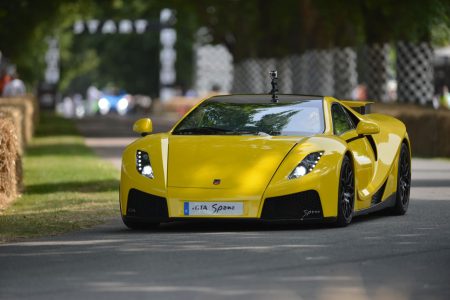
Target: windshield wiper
(253, 132)
(199, 130)
(212, 130)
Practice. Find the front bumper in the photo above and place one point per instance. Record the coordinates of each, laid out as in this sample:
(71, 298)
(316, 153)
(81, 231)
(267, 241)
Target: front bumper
(304, 206)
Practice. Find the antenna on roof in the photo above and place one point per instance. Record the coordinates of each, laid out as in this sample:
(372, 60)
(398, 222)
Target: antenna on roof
(274, 83)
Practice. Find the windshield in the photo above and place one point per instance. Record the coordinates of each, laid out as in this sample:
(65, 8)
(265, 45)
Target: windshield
(302, 117)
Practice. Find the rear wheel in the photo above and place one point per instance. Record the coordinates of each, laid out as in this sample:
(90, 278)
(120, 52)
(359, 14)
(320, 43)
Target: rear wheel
(346, 195)
(403, 182)
(140, 225)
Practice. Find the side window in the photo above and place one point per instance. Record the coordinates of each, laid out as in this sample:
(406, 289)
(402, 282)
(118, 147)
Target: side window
(341, 120)
(352, 117)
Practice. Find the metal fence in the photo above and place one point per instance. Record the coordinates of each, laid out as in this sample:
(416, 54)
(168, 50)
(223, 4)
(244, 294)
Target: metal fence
(403, 72)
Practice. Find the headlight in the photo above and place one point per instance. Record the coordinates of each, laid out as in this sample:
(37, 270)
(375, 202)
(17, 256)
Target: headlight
(306, 165)
(143, 164)
(104, 106)
(122, 105)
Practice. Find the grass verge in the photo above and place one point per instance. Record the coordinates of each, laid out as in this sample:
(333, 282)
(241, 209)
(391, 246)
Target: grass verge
(67, 187)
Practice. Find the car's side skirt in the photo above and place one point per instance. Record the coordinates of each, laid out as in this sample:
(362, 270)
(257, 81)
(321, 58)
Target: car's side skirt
(389, 202)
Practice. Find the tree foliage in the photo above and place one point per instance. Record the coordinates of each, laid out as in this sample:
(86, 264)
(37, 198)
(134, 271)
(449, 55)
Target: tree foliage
(25, 25)
(249, 28)
(127, 61)
(259, 28)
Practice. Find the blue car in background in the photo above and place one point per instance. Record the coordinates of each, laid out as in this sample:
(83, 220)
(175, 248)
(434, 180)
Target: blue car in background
(119, 103)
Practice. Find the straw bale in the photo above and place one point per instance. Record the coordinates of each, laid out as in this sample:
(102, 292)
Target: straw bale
(27, 108)
(428, 129)
(15, 115)
(34, 102)
(32, 99)
(429, 132)
(9, 157)
(20, 187)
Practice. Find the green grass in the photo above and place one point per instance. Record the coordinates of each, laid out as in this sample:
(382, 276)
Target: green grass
(67, 187)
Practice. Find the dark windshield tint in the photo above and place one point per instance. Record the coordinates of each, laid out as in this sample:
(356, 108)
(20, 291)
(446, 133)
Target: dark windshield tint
(303, 117)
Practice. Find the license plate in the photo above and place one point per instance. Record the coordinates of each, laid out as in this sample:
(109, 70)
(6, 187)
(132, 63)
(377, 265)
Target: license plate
(213, 208)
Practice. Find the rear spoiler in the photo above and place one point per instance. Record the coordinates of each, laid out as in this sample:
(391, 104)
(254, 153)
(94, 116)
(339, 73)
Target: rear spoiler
(363, 107)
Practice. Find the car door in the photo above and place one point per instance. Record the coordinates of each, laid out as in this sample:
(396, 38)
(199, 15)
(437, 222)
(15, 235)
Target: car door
(344, 126)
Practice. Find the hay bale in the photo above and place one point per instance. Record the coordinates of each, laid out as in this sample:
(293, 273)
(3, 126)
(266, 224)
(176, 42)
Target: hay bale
(428, 129)
(428, 132)
(20, 187)
(9, 157)
(15, 115)
(27, 108)
(33, 100)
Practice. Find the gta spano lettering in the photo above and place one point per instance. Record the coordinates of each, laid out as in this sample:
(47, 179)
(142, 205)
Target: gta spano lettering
(213, 208)
(216, 208)
(307, 213)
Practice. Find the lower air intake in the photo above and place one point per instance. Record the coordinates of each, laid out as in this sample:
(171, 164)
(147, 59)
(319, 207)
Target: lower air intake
(300, 206)
(146, 206)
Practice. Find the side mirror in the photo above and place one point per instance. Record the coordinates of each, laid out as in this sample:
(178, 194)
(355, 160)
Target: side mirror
(143, 126)
(367, 128)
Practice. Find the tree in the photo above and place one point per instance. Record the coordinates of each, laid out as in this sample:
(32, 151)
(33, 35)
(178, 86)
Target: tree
(259, 28)
(25, 24)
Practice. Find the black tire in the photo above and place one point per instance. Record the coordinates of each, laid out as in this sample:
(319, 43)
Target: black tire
(140, 225)
(403, 182)
(346, 194)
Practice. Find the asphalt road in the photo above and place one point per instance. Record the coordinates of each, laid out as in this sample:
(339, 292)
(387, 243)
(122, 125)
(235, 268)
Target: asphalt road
(377, 257)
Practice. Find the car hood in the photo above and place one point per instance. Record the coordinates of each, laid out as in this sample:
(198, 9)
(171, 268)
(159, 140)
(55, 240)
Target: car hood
(244, 163)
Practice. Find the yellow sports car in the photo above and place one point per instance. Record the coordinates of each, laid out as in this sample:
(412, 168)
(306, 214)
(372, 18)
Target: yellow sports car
(305, 158)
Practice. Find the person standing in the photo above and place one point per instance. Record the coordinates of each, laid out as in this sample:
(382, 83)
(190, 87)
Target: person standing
(14, 88)
(5, 78)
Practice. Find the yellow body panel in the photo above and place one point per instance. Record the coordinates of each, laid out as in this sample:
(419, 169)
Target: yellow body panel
(253, 168)
(353, 103)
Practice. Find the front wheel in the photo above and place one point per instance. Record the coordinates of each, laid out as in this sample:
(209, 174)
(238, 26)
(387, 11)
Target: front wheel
(403, 182)
(346, 194)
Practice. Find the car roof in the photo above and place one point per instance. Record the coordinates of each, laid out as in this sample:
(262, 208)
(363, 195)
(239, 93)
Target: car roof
(262, 98)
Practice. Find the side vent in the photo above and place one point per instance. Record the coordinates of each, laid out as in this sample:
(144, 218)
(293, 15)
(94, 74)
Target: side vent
(376, 198)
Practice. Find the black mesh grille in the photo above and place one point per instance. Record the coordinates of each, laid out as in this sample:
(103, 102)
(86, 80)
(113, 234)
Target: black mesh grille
(146, 206)
(299, 206)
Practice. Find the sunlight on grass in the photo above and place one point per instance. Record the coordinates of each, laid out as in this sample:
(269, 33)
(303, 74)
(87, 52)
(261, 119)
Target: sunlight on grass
(67, 186)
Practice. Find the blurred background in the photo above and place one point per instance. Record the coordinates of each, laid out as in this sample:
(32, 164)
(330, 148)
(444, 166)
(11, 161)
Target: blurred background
(76, 74)
(86, 57)
(128, 59)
